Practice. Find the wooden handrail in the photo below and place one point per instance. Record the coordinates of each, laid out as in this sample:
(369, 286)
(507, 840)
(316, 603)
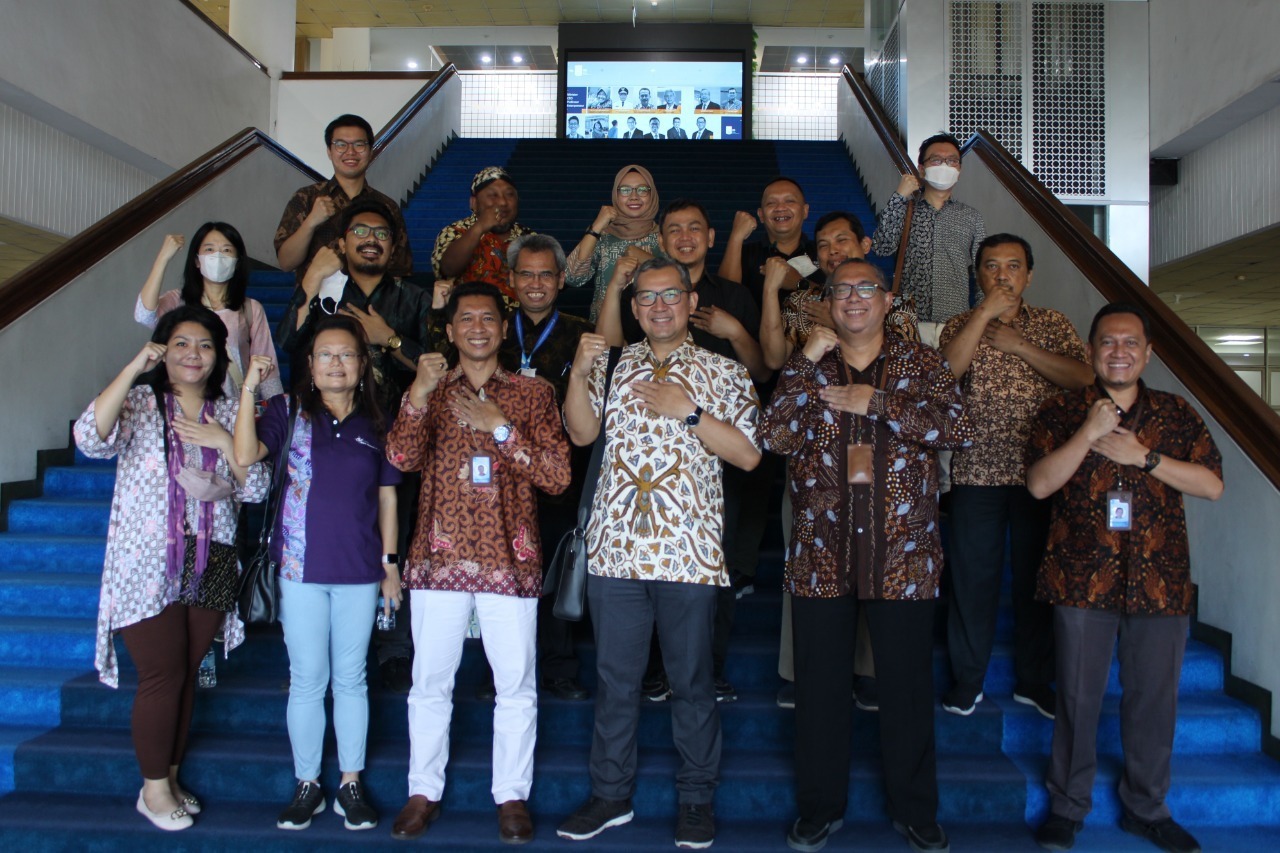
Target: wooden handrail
(880, 122)
(60, 267)
(410, 109)
(358, 75)
(1247, 419)
(225, 36)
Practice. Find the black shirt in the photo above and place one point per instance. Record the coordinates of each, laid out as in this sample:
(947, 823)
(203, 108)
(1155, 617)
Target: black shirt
(755, 253)
(553, 358)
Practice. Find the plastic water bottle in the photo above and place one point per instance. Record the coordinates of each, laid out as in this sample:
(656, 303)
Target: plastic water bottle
(386, 621)
(473, 626)
(208, 675)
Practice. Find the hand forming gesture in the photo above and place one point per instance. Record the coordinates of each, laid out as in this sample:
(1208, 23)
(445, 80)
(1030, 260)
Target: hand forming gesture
(744, 225)
(321, 210)
(431, 369)
(590, 346)
(375, 328)
(908, 185)
(260, 368)
(325, 263)
(666, 398)
(170, 246)
(716, 321)
(477, 412)
(822, 340)
(1122, 446)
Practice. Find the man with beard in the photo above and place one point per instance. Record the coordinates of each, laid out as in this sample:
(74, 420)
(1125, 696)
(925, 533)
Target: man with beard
(485, 441)
(311, 219)
(394, 315)
(475, 248)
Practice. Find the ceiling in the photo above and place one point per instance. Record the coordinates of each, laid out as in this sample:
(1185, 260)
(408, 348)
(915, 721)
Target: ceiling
(317, 18)
(1233, 284)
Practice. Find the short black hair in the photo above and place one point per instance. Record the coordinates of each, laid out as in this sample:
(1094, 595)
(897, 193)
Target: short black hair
(660, 263)
(1121, 308)
(855, 224)
(934, 140)
(1000, 240)
(351, 211)
(474, 288)
(347, 120)
(679, 205)
(777, 179)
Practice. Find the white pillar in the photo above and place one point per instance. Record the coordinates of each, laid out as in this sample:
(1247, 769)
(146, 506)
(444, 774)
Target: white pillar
(350, 49)
(266, 29)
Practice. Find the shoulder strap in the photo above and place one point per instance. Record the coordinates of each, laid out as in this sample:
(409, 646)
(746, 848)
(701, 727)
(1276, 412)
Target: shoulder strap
(275, 497)
(597, 450)
(902, 246)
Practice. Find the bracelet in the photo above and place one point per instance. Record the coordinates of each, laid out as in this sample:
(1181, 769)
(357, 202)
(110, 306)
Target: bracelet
(244, 388)
(591, 233)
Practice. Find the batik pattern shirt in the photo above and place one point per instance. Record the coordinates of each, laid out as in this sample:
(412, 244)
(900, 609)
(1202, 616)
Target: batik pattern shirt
(881, 540)
(658, 512)
(135, 581)
(1146, 570)
(597, 267)
(481, 538)
(1003, 393)
(488, 262)
(328, 232)
(941, 251)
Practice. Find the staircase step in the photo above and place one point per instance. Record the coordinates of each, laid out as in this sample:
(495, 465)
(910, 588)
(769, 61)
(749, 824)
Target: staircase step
(38, 552)
(80, 481)
(33, 696)
(44, 641)
(84, 517)
(62, 594)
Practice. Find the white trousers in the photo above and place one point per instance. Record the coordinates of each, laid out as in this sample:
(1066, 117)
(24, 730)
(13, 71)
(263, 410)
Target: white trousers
(508, 626)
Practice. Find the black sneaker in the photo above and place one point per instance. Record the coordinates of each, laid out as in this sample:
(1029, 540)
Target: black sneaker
(725, 691)
(308, 800)
(1041, 697)
(924, 837)
(1165, 834)
(1058, 832)
(655, 689)
(594, 817)
(352, 805)
(564, 688)
(696, 826)
(808, 836)
(866, 696)
(961, 699)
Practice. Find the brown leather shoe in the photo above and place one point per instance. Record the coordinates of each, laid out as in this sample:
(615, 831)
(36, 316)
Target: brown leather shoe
(415, 817)
(514, 824)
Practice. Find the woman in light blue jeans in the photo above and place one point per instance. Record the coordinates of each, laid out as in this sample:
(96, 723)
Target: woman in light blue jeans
(333, 541)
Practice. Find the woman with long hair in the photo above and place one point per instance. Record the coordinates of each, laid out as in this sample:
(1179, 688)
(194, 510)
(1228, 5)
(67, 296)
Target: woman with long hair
(171, 573)
(624, 227)
(334, 542)
(216, 276)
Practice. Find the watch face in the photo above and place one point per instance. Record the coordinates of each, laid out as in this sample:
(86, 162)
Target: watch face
(502, 433)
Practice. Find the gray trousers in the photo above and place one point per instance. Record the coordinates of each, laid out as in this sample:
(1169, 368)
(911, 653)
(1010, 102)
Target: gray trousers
(623, 614)
(1150, 652)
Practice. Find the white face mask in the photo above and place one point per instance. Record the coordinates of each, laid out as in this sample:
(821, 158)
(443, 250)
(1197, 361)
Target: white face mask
(217, 267)
(941, 177)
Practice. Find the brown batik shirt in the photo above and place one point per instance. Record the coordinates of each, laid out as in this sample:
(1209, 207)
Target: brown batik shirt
(1002, 394)
(1146, 570)
(877, 541)
(329, 231)
(481, 538)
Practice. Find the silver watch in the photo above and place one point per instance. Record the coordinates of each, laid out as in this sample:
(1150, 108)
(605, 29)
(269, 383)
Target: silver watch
(501, 433)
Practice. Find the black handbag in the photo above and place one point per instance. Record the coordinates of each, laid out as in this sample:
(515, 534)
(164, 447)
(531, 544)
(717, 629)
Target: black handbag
(567, 573)
(258, 599)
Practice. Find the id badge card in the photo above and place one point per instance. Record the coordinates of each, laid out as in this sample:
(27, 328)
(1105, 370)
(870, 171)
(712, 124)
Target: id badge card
(1119, 510)
(859, 464)
(529, 371)
(481, 470)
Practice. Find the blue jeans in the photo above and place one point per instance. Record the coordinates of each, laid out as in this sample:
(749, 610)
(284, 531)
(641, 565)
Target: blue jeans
(326, 629)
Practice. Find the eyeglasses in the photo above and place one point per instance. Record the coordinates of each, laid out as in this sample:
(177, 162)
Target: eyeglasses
(640, 190)
(843, 291)
(341, 146)
(362, 231)
(324, 358)
(942, 161)
(670, 296)
(543, 276)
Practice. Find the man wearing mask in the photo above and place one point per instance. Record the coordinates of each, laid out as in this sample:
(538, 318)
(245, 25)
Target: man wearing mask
(944, 237)
(475, 248)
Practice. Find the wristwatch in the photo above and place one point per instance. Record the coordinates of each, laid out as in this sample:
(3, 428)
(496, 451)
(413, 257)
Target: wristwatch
(501, 433)
(694, 419)
(1150, 463)
(595, 234)
(391, 559)
(394, 342)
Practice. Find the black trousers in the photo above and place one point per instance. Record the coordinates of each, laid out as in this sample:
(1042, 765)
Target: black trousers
(824, 632)
(981, 517)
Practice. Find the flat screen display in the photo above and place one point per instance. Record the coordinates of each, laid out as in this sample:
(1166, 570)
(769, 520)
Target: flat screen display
(663, 96)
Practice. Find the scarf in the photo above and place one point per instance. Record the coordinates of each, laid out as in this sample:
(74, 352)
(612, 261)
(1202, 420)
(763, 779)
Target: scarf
(633, 226)
(175, 521)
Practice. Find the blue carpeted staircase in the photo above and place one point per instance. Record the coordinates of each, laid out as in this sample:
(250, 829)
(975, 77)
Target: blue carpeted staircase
(66, 760)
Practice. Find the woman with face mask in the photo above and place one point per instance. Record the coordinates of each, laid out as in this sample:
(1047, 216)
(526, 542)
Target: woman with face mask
(170, 576)
(215, 276)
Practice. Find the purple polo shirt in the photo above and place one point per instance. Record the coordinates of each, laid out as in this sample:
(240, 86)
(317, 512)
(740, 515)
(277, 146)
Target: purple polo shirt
(348, 465)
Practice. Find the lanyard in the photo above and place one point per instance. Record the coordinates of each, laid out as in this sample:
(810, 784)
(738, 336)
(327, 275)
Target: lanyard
(526, 359)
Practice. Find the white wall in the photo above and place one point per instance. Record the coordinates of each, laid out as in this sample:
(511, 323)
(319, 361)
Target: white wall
(1204, 57)
(305, 108)
(85, 333)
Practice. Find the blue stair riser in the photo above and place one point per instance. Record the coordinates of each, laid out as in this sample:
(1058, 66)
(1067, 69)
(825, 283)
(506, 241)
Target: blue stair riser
(80, 482)
(60, 642)
(52, 554)
(67, 595)
(79, 517)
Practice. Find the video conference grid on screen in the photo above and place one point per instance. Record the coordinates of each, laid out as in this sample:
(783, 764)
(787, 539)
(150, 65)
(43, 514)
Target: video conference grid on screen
(653, 100)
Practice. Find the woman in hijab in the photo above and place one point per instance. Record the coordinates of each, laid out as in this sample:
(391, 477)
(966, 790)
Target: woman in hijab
(626, 226)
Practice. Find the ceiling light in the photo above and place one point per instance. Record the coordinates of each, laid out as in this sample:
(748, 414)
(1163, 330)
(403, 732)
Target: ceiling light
(515, 57)
(802, 59)
(484, 57)
(411, 65)
(835, 60)
(1240, 339)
